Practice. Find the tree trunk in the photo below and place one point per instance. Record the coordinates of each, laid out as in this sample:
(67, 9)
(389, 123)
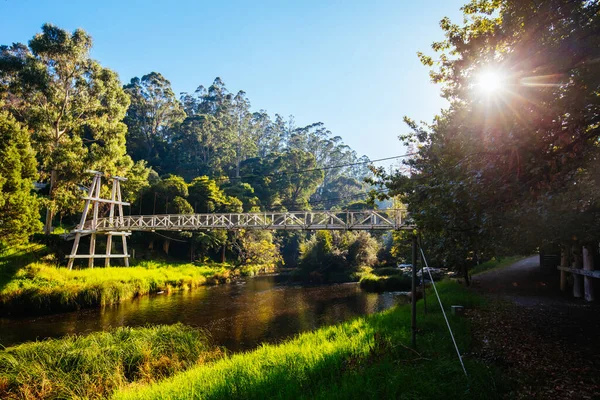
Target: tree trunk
(49, 211)
(465, 270)
(166, 245)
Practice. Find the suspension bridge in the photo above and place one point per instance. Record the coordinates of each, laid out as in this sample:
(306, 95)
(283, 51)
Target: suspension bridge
(120, 225)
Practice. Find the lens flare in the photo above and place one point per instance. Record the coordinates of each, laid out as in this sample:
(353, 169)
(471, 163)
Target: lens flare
(489, 82)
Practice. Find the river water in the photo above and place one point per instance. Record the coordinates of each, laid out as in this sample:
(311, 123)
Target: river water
(239, 316)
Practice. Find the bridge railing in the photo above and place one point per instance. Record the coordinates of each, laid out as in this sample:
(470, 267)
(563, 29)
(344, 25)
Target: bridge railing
(291, 220)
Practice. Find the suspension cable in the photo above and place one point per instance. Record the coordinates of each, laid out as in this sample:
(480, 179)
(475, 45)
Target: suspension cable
(444, 313)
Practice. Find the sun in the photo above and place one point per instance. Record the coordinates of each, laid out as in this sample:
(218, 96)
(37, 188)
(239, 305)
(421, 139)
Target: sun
(490, 82)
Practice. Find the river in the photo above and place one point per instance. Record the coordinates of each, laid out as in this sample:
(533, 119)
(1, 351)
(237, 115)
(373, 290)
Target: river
(239, 316)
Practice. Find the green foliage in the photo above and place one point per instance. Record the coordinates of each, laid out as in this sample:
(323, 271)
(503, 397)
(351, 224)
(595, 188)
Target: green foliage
(257, 248)
(508, 171)
(96, 365)
(74, 107)
(137, 180)
(207, 197)
(385, 271)
(330, 254)
(153, 111)
(19, 208)
(368, 357)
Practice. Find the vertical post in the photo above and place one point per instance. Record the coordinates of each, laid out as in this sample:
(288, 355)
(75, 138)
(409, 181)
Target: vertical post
(94, 222)
(414, 293)
(423, 283)
(92, 250)
(564, 262)
(588, 265)
(120, 210)
(577, 278)
(111, 214)
(108, 250)
(86, 209)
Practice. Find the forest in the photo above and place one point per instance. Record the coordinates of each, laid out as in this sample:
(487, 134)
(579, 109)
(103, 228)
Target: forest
(204, 151)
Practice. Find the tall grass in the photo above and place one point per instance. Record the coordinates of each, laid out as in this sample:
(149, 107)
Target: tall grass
(94, 366)
(30, 286)
(365, 358)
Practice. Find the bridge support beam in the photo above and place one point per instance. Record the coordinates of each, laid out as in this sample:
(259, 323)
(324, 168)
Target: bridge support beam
(93, 199)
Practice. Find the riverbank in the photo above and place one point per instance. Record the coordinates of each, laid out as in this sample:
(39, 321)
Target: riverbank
(31, 283)
(367, 357)
(95, 365)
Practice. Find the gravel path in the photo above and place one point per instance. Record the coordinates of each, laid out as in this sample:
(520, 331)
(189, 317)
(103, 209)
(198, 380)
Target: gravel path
(547, 341)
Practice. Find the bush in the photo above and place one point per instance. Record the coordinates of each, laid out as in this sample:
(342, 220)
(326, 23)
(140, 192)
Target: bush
(385, 271)
(335, 256)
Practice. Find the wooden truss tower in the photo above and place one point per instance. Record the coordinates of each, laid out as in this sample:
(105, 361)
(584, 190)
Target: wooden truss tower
(85, 228)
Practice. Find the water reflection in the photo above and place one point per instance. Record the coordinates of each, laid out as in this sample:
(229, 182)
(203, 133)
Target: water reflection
(239, 316)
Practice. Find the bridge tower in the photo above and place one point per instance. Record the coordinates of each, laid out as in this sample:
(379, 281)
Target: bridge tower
(93, 201)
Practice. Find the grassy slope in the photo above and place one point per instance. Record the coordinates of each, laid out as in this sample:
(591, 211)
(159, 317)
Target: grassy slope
(495, 263)
(29, 285)
(95, 365)
(364, 358)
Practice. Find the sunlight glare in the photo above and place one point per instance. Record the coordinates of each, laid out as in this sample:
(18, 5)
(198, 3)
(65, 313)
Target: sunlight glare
(489, 82)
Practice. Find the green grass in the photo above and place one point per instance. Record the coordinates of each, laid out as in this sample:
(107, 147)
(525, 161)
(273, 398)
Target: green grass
(375, 283)
(95, 365)
(495, 263)
(31, 283)
(367, 358)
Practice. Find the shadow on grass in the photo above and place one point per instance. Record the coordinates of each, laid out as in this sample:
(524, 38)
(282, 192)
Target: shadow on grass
(14, 259)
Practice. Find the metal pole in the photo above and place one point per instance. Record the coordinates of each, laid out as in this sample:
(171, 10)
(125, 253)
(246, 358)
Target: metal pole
(414, 292)
(423, 277)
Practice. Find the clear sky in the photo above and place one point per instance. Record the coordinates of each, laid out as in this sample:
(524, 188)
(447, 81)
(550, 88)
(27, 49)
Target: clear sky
(349, 64)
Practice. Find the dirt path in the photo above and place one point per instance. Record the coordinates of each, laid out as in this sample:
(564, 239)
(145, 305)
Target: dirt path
(546, 341)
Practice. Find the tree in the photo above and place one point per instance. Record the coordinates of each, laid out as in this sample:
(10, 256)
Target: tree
(19, 208)
(74, 107)
(296, 178)
(495, 165)
(153, 112)
(198, 148)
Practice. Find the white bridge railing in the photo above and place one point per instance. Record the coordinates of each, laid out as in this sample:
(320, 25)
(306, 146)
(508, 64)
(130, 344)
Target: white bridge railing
(291, 220)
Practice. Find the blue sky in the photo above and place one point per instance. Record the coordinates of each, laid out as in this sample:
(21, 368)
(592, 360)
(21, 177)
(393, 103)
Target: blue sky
(349, 64)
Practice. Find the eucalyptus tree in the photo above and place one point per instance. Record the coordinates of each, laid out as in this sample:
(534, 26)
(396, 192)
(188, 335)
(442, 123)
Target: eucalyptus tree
(73, 106)
(153, 112)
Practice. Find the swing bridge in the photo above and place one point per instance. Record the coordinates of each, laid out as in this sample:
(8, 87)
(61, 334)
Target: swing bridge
(120, 225)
